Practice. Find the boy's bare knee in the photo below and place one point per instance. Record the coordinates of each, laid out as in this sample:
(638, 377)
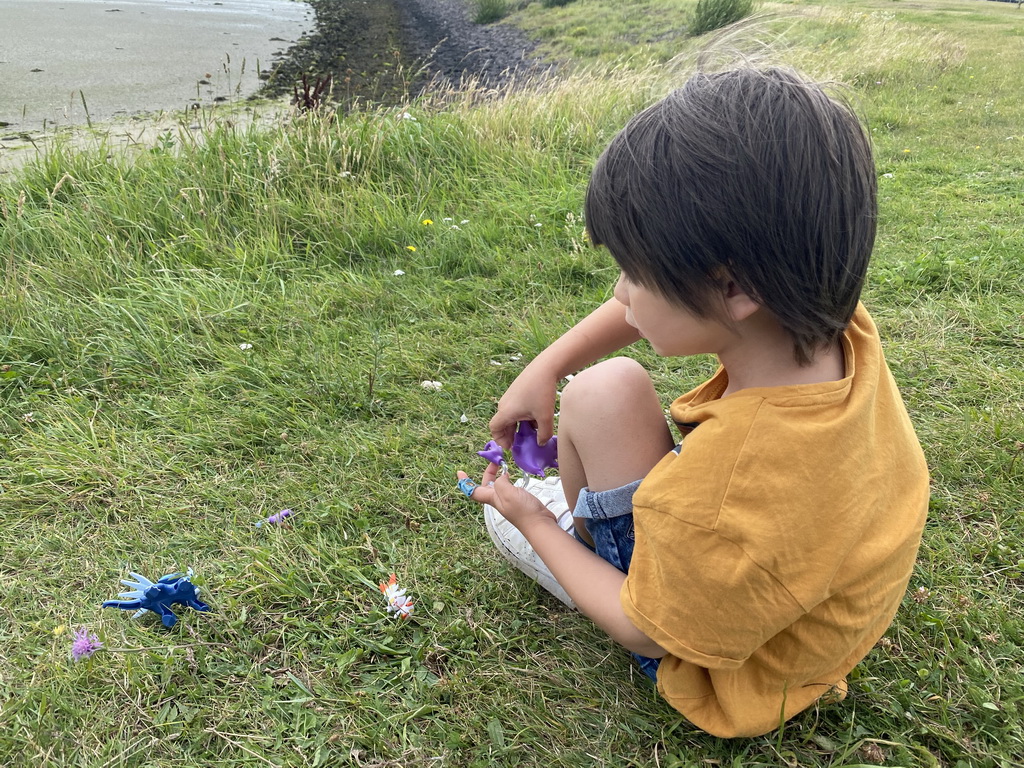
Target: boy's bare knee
(615, 380)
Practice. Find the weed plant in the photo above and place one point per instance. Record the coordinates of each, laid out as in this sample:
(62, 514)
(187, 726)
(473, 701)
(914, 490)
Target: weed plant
(710, 15)
(202, 334)
(488, 11)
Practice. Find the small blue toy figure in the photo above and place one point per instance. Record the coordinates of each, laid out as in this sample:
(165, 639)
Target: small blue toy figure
(158, 598)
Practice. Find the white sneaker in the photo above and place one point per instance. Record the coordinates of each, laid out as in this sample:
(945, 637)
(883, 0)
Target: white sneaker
(514, 547)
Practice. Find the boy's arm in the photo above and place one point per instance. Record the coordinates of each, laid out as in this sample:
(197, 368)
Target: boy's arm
(592, 583)
(531, 397)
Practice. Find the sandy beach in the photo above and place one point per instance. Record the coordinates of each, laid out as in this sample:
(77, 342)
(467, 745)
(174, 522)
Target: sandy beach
(131, 56)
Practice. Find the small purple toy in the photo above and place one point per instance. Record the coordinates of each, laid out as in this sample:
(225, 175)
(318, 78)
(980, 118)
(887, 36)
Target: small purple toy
(527, 453)
(277, 518)
(493, 452)
(159, 597)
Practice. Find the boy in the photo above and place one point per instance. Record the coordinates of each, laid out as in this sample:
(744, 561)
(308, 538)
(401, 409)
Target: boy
(750, 567)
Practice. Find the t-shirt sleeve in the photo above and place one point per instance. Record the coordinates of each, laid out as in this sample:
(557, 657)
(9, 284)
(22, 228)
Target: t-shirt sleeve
(706, 601)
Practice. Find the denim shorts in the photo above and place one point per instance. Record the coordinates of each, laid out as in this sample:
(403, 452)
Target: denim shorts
(609, 516)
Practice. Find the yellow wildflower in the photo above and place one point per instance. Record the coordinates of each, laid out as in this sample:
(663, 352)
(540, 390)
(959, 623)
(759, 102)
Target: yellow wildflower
(410, 248)
(427, 222)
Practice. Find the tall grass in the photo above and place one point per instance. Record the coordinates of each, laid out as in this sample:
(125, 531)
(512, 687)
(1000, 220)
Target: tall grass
(710, 15)
(488, 11)
(201, 334)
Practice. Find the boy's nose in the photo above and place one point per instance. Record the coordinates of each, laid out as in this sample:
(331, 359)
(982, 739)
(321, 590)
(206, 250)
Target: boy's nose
(621, 293)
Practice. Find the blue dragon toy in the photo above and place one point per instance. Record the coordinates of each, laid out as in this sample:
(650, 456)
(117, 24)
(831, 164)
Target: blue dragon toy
(159, 597)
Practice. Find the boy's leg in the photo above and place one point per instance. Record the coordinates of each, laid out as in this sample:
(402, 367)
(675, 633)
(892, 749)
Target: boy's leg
(611, 430)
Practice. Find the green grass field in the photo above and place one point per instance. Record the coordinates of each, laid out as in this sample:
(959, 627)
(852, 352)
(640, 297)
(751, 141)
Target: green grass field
(197, 336)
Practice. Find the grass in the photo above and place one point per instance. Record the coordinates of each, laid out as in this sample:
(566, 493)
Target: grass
(710, 15)
(136, 431)
(488, 11)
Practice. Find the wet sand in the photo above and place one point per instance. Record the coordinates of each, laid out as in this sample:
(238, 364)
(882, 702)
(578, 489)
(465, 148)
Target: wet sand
(133, 56)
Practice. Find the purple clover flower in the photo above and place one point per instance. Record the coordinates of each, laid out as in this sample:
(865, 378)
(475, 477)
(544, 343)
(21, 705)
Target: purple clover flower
(85, 644)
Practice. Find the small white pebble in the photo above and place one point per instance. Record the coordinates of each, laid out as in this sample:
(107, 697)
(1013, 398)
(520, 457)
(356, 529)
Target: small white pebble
(398, 273)
(431, 384)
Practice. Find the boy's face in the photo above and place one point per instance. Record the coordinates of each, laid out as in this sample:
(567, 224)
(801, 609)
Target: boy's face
(672, 331)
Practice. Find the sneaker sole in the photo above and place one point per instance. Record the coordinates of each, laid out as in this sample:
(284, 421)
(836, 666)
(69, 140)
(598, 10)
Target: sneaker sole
(514, 547)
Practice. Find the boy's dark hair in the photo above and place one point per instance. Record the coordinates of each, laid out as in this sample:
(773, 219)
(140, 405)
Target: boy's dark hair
(757, 172)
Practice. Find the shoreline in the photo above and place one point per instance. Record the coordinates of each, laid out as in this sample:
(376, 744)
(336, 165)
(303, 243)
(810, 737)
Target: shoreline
(75, 62)
(421, 41)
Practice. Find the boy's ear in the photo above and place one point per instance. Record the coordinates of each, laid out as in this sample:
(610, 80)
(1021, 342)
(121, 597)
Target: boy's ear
(739, 305)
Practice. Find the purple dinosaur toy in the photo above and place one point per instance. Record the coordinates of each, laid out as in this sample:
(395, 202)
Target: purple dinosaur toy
(528, 454)
(159, 597)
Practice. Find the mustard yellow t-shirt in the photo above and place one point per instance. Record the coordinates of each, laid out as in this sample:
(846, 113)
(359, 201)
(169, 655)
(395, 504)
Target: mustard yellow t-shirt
(773, 550)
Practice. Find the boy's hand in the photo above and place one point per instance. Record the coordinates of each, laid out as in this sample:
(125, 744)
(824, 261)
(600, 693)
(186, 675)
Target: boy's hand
(531, 397)
(516, 505)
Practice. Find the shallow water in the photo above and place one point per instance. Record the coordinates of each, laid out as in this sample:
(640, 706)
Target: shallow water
(65, 62)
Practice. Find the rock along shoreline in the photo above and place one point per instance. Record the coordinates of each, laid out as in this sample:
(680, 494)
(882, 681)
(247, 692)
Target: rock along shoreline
(388, 50)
